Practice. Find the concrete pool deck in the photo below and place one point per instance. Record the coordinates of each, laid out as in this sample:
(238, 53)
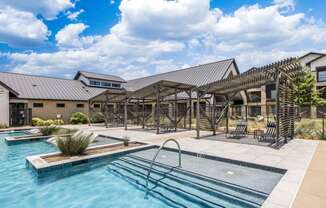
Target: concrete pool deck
(312, 192)
(295, 157)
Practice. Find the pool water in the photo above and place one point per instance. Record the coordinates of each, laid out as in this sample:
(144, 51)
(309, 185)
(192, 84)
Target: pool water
(116, 182)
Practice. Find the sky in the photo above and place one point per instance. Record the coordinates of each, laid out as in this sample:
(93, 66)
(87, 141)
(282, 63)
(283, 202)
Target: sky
(135, 38)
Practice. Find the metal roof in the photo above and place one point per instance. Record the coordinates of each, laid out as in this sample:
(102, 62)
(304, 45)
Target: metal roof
(40, 87)
(165, 87)
(93, 75)
(253, 78)
(197, 75)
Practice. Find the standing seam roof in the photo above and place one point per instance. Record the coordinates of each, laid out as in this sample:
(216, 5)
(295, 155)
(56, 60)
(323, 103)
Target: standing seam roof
(197, 75)
(39, 87)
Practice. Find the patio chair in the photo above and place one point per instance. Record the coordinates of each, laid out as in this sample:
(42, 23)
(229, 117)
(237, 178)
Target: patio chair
(240, 130)
(270, 133)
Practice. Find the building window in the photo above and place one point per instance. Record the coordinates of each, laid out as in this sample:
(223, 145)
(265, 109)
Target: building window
(271, 92)
(37, 105)
(321, 74)
(106, 84)
(97, 105)
(116, 85)
(95, 83)
(80, 105)
(60, 105)
(254, 111)
(254, 97)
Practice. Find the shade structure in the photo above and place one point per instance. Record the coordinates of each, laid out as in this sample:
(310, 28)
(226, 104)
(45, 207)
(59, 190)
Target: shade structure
(281, 73)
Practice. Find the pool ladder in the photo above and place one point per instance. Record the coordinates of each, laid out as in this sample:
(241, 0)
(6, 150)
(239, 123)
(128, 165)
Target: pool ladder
(154, 158)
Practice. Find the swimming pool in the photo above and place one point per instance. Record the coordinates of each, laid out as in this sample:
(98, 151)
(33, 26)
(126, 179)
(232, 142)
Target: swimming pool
(119, 181)
(14, 133)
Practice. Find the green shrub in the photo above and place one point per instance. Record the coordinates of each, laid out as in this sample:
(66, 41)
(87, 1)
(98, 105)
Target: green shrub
(37, 122)
(48, 122)
(98, 118)
(74, 144)
(58, 122)
(3, 126)
(78, 118)
(49, 130)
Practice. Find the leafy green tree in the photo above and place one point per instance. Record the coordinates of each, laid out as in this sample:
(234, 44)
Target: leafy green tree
(305, 92)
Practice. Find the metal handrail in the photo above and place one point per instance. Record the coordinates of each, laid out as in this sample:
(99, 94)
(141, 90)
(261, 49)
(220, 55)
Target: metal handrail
(154, 158)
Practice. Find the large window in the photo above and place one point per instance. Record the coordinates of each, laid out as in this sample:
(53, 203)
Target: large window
(80, 105)
(95, 83)
(115, 85)
(271, 92)
(254, 96)
(321, 74)
(254, 111)
(60, 105)
(96, 105)
(106, 84)
(37, 105)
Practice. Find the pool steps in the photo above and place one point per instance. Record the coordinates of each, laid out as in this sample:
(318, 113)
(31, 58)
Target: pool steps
(185, 187)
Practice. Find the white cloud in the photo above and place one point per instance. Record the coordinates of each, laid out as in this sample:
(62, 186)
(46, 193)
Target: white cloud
(160, 19)
(69, 37)
(74, 15)
(49, 9)
(160, 35)
(18, 28)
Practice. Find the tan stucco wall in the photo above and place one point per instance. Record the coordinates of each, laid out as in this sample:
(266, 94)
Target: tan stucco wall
(50, 110)
(4, 106)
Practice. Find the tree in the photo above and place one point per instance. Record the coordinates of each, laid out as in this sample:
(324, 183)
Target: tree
(305, 91)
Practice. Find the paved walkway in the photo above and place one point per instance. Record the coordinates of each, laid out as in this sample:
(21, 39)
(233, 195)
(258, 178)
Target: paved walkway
(312, 192)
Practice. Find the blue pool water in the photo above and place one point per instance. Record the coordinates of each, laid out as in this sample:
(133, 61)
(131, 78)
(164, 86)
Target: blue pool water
(116, 182)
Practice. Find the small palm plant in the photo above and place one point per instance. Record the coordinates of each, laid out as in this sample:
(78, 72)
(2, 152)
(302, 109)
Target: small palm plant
(73, 145)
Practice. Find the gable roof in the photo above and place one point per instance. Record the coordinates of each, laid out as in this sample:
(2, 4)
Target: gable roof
(9, 89)
(311, 53)
(197, 75)
(313, 60)
(48, 88)
(93, 75)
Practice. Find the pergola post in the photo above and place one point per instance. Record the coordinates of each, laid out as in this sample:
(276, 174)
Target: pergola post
(157, 109)
(198, 115)
(214, 115)
(175, 110)
(143, 115)
(227, 115)
(277, 86)
(106, 110)
(126, 114)
(190, 109)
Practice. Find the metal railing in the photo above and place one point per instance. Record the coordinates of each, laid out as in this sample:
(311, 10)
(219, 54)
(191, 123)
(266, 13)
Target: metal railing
(154, 158)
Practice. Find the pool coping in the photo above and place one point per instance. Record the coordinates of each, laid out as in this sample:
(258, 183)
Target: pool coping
(40, 166)
(22, 139)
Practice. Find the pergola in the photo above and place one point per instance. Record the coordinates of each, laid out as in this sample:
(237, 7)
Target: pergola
(110, 96)
(158, 92)
(162, 91)
(281, 74)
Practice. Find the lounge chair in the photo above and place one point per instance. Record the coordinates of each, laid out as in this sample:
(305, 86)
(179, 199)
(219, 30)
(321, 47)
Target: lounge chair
(240, 130)
(270, 133)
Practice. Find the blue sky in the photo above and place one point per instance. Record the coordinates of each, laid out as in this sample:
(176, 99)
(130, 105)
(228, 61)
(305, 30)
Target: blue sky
(134, 38)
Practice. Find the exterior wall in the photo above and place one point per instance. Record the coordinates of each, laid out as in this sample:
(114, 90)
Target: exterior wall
(309, 58)
(84, 79)
(50, 110)
(4, 106)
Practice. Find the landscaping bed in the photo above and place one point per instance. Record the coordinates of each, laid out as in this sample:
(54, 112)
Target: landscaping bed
(91, 151)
